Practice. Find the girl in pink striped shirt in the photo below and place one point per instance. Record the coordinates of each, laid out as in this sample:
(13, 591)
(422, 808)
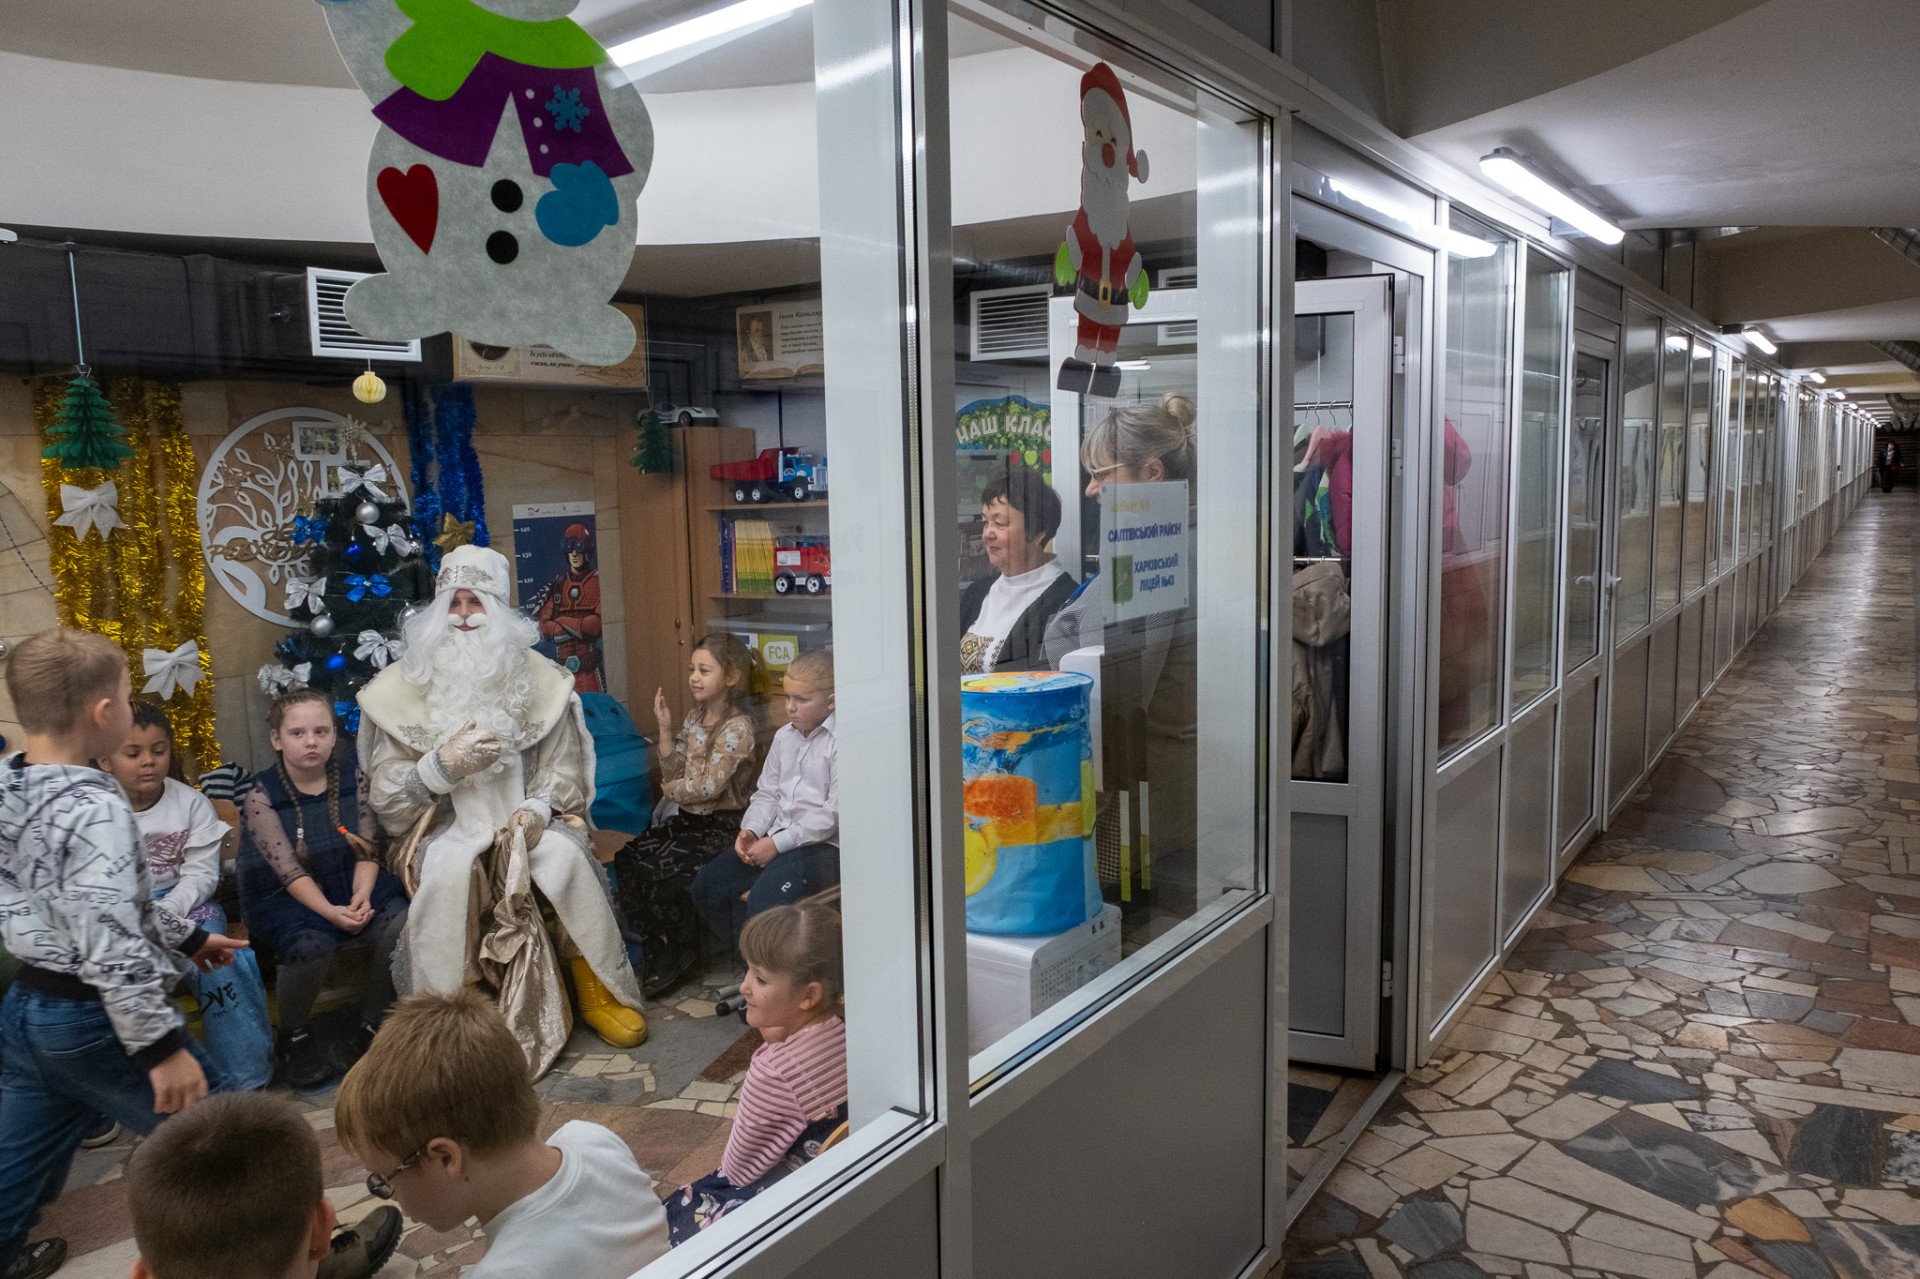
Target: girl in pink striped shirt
(795, 1092)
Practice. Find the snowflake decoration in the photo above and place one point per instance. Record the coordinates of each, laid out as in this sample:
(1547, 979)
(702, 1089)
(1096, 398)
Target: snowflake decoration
(568, 113)
(354, 433)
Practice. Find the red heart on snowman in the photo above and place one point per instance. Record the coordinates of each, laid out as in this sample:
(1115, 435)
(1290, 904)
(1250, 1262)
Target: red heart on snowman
(413, 198)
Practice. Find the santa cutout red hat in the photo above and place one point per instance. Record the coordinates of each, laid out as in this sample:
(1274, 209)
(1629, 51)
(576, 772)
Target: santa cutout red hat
(1101, 79)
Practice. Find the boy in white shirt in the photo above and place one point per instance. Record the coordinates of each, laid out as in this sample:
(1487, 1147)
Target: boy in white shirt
(442, 1113)
(788, 847)
(181, 836)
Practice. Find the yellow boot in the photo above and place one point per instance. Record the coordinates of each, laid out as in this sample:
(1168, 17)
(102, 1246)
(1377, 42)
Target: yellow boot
(612, 1020)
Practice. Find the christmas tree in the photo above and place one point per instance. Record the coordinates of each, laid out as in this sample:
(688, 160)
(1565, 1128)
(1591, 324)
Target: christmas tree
(653, 451)
(84, 432)
(364, 571)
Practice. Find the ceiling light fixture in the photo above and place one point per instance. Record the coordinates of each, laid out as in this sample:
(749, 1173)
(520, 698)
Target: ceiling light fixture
(1816, 377)
(1759, 341)
(1516, 173)
(708, 26)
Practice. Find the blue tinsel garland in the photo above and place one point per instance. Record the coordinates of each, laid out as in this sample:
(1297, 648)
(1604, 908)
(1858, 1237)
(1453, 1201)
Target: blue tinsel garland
(462, 494)
(420, 457)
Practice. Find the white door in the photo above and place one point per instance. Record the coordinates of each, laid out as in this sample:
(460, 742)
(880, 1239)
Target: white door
(1339, 511)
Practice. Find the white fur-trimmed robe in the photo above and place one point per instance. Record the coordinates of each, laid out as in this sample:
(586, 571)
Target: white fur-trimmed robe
(497, 938)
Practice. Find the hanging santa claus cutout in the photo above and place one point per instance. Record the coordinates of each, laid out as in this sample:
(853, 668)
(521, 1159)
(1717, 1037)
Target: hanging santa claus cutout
(1099, 258)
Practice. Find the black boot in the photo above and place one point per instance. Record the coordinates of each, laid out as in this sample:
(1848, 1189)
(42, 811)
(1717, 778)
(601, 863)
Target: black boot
(302, 1065)
(1105, 383)
(1074, 375)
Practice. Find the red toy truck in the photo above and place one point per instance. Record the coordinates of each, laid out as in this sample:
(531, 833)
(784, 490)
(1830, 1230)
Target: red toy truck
(786, 471)
(803, 562)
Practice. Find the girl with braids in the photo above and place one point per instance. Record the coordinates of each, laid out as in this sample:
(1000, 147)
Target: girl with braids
(706, 780)
(311, 881)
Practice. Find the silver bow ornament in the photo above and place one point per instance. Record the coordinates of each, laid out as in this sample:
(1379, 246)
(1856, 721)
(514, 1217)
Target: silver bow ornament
(276, 679)
(378, 649)
(383, 538)
(84, 510)
(309, 591)
(367, 481)
(170, 673)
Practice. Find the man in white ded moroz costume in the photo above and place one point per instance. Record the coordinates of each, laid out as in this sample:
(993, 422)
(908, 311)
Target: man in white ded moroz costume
(475, 744)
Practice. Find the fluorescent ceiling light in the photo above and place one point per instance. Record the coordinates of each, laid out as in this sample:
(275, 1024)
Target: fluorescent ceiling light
(1677, 342)
(708, 26)
(1512, 171)
(1816, 377)
(1759, 341)
(1132, 365)
(1462, 245)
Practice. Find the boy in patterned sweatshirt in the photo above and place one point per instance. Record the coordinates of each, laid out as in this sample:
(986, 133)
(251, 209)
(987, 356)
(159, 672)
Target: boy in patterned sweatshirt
(87, 1027)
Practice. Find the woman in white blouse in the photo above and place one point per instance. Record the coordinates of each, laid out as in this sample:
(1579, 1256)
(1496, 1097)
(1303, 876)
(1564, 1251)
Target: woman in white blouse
(1003, 619)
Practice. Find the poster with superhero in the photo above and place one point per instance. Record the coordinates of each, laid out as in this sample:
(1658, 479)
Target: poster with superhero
(557, 571)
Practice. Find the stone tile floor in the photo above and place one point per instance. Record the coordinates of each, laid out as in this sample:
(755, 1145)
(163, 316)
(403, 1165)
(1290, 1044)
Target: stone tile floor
(672, 1099)
(1704, 1058)
(1321, 1102)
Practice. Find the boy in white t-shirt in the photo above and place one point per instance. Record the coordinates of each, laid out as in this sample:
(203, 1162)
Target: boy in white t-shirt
(181, 835)
(442, 1113)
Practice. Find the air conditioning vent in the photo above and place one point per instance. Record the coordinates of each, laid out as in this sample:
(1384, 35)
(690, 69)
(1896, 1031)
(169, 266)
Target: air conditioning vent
(1179, 332)
(333, 337)
(1008, 324)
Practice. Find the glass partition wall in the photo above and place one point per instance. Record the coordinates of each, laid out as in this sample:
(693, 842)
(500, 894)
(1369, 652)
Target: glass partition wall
(977, 765)
(1105, 538)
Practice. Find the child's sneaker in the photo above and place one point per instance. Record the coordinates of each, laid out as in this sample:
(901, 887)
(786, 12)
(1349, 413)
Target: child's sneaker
(359, 1251)
(303, 1066)
(38, 1260)
(103, 1133)
(353, 1047)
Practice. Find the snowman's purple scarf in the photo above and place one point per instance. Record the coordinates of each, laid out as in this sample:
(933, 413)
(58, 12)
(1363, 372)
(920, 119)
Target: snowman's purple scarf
(461, 128)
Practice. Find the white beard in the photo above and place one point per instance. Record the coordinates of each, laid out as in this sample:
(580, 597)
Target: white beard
(479, 676)
(1103, 194)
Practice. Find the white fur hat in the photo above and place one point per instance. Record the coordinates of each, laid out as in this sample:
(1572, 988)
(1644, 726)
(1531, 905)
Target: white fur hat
(478, 568)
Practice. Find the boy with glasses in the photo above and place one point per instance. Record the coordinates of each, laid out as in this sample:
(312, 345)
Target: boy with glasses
(441, 1110)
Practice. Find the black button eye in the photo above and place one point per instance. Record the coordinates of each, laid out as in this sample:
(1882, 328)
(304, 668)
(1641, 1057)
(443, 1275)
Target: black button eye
(506, 196)
(502, 247)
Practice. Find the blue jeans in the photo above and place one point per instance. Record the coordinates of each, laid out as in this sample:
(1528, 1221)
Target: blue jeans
(797, 873)
(60, 1066)
(233, 1014)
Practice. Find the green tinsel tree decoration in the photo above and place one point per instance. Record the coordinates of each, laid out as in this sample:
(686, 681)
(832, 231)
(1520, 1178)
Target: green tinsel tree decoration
(85, 433)
(653, 451)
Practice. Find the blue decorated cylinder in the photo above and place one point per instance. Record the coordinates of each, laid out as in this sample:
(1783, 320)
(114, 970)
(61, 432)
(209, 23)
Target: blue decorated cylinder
(1027, 762)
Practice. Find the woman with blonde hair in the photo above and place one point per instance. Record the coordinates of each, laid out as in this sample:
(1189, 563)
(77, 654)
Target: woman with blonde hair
(1148, 680)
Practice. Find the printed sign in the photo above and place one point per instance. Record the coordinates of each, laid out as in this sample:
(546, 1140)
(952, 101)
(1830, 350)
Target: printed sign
(557, 570)
(781, 339)
(1145, 548)
(543, 366)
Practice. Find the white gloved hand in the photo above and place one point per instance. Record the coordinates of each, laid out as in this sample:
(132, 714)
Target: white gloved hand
(471, 750)
(531, 824)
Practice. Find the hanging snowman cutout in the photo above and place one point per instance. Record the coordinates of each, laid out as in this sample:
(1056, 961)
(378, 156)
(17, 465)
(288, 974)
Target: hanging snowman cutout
(502, 182)
(1098, 258)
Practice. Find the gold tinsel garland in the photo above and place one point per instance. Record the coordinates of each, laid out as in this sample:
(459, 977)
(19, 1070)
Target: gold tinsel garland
(118, 586)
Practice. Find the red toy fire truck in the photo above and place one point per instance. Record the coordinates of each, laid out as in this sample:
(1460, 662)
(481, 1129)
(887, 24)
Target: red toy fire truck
(805, 563)
(786, 471)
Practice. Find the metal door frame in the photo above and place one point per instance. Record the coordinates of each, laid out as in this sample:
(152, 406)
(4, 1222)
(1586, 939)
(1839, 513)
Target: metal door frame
(1361, 801)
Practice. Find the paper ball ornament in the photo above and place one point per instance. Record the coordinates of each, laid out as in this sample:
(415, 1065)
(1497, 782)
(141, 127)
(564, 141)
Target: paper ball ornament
(321, 625)
(369, 388)
(367, 512)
